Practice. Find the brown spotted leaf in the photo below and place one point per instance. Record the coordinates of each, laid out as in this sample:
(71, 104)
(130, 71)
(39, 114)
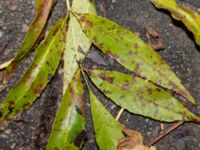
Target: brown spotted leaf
(129, 50)
(77, 41)
(69, 123)
(141, 97)
(45, 63)
(107, 130)
(34, 34)
(189, 17)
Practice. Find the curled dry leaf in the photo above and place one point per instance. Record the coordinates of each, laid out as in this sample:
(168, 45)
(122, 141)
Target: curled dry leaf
(133, 141)
(130, 51)
(43, 68)
(69, 123)
(189, 17)
(154, 39)
(34, 34)
(77, 41)
(140, 97)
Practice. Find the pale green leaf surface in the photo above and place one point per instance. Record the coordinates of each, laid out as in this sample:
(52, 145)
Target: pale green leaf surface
(107, 130)
(68, 122)
(189, 17)
(76, 41)
(129, 50)
(34, 34)
(45, 63)
(141, 97)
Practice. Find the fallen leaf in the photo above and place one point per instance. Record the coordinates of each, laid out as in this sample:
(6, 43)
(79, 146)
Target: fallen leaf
(130, 51)
(69, 123)
(43, 68)
(189, 17)
(140, 97)
(107, 130)
(34, 34)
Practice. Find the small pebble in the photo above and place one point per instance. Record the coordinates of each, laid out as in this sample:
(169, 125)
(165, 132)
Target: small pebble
(24, 28)
(113, 1)
(13, 7)
(1, 34)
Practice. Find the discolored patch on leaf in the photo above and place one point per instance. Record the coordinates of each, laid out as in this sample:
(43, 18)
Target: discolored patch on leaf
(141, 97)
(107, 130)
(129, 50)
(189, 17)
(76, 40)
(23, 94)
(34, 34)
(69, 123)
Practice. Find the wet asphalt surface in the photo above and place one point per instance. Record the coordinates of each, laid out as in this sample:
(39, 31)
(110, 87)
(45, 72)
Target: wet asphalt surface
(30, 130)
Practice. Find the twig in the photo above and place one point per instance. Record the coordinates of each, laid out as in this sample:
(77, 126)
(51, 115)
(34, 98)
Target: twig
(4, 65)
(165, 132)
(119, 114)
(68, 5)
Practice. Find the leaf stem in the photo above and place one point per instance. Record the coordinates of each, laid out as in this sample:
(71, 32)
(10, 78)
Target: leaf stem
(119, 114)
(4, 65)
(165, 132)
(68, 5)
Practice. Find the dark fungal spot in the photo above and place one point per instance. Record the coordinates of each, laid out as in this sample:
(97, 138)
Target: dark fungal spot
(82, 18)
(55, 31)
(136, 45)
(1, 115)
(11, 103)
(47, 62)
(106, 78)
(25, 106)
(10, 109)
(149, 90)
(38, 89)
(122, 97)
(158, 89)
(24, 96)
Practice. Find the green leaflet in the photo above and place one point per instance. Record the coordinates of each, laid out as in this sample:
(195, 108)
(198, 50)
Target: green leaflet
(68, 122)
(189, 17)
(45, 63)
(107, 130)
(76, 41)
(130, 51)
(141, 97)
(34, 34)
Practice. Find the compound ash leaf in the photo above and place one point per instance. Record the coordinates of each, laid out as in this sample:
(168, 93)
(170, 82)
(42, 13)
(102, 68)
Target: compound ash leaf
(77, 41)
(189, 17)
(141, 97)
(45, 63)
(107, 130)
(68, 122)
(129, 50)
(34, 34)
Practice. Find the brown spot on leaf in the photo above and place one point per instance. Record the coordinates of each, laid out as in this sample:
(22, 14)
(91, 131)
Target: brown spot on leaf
(82, 18)
(38, 90)
(25, 106)
(136, 46)
(106, 78)
(149, 90)
(122, 97)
